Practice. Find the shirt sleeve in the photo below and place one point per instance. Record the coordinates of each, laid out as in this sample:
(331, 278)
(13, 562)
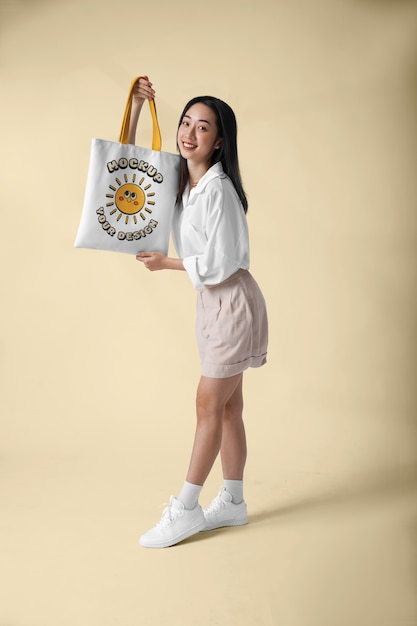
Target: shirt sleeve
(225, 247)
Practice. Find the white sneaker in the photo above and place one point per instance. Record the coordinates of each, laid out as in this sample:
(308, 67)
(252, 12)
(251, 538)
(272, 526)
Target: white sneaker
(176, 524)
(223, 512)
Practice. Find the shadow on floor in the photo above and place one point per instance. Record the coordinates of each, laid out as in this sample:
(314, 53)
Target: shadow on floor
(361, 489)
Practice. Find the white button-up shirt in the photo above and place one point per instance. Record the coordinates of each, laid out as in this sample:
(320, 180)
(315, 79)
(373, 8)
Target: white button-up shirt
(210, 230)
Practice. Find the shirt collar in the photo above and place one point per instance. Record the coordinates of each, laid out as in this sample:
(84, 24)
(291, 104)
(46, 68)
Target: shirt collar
(215, 171)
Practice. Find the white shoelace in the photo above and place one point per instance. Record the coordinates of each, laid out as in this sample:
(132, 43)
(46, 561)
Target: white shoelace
(216, 506)
(169, 516)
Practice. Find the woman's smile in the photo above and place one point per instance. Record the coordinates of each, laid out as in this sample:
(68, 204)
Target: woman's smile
(198, 135)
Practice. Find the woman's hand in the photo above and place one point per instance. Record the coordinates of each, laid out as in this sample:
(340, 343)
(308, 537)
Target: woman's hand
(143, 91)
(154, 261)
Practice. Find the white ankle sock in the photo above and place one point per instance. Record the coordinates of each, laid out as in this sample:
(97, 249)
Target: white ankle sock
(189, 495)
(235, 488)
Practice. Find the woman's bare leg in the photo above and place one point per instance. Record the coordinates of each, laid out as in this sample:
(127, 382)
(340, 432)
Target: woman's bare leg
(233, 446)
(213, 395)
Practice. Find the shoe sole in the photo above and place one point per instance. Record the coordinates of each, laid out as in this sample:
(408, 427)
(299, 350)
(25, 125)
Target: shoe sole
(173, 542)
(226, 524)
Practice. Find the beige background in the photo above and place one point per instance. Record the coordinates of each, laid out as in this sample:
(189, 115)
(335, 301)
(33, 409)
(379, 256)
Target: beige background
(98, 359)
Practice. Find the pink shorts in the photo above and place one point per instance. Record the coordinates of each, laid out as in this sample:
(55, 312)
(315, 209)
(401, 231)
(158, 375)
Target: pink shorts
(232, 326)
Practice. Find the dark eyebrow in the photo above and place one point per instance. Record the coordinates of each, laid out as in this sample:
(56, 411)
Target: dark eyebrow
(206, 121)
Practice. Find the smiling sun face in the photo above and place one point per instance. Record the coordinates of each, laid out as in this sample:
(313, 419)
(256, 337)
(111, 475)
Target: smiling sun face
(130, 199)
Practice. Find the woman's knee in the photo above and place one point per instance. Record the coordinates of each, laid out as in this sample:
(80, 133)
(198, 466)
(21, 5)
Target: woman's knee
(233, 408)
(208, 406)
(213, 396)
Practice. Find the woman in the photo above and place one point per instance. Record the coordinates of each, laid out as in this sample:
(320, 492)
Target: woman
(211, 238)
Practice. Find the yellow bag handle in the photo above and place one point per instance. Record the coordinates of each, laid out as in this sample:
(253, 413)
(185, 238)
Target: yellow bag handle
(124, 132)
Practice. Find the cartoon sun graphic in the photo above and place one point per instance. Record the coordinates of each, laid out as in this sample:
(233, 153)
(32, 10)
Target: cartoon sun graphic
(130, 199)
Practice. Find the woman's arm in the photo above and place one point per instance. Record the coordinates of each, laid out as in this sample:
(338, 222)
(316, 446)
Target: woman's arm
(142, 91)
(154, 261)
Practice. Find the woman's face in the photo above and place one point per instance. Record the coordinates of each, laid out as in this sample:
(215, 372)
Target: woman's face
(198, 135)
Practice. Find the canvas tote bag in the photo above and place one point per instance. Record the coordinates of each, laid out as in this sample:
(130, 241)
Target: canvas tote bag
(130, 193)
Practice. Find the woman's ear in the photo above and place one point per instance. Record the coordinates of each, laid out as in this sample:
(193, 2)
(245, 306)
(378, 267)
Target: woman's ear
(218, 143)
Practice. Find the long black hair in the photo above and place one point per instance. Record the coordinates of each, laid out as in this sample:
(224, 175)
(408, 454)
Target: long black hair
(226, 154)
